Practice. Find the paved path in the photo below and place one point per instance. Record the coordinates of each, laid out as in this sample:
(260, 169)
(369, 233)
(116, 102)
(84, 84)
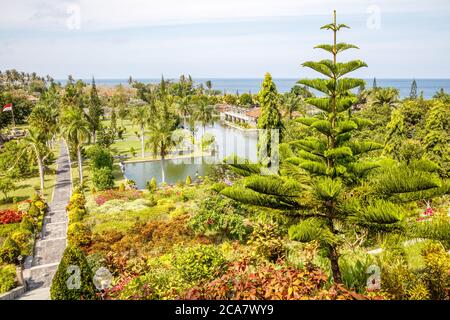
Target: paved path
(39, 271)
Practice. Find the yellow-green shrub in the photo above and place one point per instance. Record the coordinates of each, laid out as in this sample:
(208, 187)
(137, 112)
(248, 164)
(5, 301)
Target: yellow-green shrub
(436, 274)
(79, 234)
(7, 278)
(24, 239)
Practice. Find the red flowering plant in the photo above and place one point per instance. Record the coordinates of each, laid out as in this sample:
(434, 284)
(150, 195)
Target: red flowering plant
(10, 216)
(427, 214)
(100, 200)
(131, 194)
(270, 282)
(114, 291)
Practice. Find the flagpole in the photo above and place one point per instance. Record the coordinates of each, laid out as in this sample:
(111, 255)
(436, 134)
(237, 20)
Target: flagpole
(14, 121)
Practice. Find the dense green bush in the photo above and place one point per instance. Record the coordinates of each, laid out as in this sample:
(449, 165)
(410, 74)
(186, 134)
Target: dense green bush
(102, 178)
(7, 229)
(96, 261)
(34, 211)
(201, 262)
(396, 276)
(220, 216)
(9, 251)
(105, 137)
(436, 274)
(161, 282)
(100, 157)
(77, 200)
(24, 239)
(354, 268)
(79, 234)
(74, 278)
(267, 242)
(7, 278)
(76, 214)
(27, 223)
(152, 185)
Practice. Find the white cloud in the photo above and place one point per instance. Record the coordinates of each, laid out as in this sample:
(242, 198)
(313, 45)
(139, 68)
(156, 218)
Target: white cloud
(45, 45)
(111, 14)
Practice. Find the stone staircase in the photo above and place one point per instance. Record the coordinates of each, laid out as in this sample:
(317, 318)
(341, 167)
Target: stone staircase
(40, 269)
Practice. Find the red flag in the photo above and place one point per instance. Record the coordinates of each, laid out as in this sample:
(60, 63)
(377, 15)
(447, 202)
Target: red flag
(7, 107)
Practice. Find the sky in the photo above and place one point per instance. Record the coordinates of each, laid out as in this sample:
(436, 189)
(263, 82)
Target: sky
(221, 38)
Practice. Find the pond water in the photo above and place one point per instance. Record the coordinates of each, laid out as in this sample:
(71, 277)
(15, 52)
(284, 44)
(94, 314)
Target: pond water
(228, 141)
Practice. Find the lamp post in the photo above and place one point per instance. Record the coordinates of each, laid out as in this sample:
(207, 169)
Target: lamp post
(20, 273)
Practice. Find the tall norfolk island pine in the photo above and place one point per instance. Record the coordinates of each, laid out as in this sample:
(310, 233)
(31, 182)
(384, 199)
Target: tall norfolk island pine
(334, 165)
(270, 117)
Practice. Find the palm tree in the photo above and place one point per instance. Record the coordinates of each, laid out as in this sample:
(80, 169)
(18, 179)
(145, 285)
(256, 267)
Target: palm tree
(160, 138)
(385, 97)
(204, 112)
(209, 85)
(140, 116)
(184, 108)
(43, 119)
(75, 129)
(291, 103)
(34, 145)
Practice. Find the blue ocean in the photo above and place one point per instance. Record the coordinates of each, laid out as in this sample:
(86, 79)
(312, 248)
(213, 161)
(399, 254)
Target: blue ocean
(428, 86)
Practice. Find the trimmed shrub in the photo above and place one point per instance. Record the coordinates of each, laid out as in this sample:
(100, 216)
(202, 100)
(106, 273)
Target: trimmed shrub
(24, 239)
(102, 178)
(77, 200)
(152, 185)
(9, 251)
(96, 261)
(7, 278)
(41, 205)
(220, 216)
(74, 278)
(100, 157)
(188, 180)
(76, 214)
(79, 234)
(201, 262)
(27, 223)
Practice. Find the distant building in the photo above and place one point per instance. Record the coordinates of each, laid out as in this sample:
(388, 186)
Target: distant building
(32, 98)
(238, 115)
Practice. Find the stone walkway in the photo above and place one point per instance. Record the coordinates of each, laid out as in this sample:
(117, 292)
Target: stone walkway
(39, 272)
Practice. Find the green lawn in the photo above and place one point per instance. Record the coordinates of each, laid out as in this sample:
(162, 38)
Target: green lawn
(122, 147)
(87, 175)
(26, 186)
